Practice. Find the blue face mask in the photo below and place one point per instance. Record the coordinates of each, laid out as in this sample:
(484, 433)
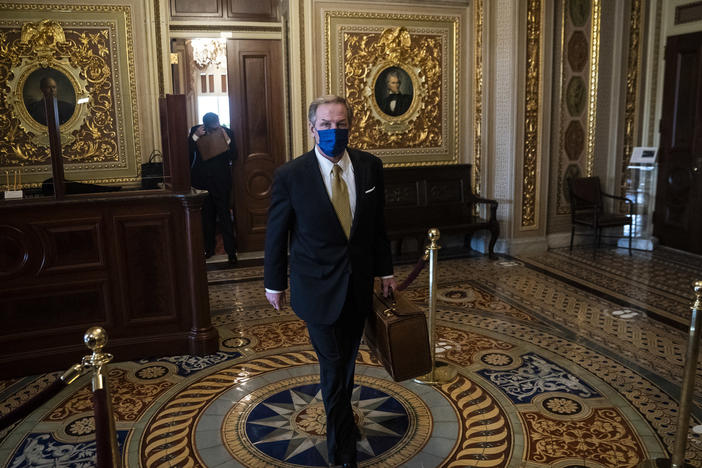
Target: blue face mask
(333, 141)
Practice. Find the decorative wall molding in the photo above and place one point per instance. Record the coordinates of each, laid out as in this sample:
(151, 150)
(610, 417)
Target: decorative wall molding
(101, 139)
(478, 21)
(633, 72)
(580, 41)
(362, 47)
(532, 111)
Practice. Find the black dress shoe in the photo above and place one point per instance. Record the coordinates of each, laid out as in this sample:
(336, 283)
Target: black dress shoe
(208, 254)
(233, 260)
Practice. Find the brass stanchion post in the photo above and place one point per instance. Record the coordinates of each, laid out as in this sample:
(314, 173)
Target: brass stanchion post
(95, 338)
(688, 387)
(441, 372)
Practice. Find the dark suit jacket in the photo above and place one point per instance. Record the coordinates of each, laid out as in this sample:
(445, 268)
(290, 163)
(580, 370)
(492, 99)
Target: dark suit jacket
(323, 262)
(219, 166)
(402, 103)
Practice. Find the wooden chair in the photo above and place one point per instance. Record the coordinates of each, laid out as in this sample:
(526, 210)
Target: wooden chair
(587, 209)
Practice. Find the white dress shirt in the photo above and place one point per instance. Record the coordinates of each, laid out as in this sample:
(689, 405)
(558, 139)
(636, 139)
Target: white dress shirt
(325, 168)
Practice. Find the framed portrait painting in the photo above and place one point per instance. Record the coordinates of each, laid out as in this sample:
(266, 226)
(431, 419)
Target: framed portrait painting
(82, 57)
(401, 77)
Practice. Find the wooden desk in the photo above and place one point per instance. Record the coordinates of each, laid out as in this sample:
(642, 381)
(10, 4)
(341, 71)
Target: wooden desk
(130, 262)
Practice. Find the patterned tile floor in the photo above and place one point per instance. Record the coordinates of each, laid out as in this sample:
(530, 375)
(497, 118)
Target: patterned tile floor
(562, 361)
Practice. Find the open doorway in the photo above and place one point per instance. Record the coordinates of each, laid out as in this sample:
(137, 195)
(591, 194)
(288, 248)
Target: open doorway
(201, 74)
(242, 81)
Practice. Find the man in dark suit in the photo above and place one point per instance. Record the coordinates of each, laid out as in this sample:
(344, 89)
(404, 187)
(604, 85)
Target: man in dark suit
(395, 103)
(328, 206)
(37, 110)
(215, 176)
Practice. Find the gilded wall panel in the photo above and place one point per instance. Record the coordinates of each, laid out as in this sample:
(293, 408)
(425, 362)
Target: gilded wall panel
(580, 57)
(87, 54)
(532, 105)
(401, 76)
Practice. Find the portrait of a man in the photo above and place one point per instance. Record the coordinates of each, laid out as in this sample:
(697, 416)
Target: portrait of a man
(394, 91)
(55, 83)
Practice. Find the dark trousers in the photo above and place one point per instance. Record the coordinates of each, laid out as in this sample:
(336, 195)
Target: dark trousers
(336, 346)
(216, 208)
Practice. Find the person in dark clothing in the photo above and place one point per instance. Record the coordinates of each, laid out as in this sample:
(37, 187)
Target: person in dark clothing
(327, 212)
(214, 174)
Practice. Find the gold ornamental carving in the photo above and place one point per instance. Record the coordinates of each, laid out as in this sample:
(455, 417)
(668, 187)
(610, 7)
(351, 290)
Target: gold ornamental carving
(594, 78)
(401, 75)
(367, 57)
(478, 95)
(531, 115)
(633, 70)
(87, 50)
(79, 58)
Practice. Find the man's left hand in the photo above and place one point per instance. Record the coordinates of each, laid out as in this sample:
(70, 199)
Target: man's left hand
(388, 284)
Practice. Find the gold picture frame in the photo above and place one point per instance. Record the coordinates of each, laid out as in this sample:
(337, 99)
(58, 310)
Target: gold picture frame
(87, 54)
(415, 122)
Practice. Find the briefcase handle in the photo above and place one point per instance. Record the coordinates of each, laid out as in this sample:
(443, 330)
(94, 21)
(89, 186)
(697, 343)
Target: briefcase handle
(390, 311)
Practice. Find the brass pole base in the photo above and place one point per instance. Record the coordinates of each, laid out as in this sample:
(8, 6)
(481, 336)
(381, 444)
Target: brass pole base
(661, 463)
(441, 373)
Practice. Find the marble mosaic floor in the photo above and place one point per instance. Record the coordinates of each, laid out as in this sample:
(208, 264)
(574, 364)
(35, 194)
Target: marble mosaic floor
(563, 361)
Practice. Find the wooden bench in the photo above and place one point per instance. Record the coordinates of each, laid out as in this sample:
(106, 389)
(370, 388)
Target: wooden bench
(420, 198)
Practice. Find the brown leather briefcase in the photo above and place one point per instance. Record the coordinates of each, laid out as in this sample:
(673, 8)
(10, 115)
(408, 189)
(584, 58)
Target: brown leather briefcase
(396, 332)
(212, 144)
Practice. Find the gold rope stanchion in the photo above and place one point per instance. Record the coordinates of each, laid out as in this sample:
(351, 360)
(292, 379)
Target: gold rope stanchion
(105, 435)
(688, 387)
(441, 372)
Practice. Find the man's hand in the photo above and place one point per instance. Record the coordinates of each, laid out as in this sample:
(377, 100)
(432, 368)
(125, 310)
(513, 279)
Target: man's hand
(277, 300)
(388, 284)
(199, 131)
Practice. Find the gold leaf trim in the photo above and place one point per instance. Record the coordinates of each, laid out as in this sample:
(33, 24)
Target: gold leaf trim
(531, 114)
(633, 70)
(594, 72)
(371, 126)
(478, 85)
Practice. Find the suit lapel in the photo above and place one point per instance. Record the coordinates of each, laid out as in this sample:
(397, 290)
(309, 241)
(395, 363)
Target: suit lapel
(314, 177)
(359, 175)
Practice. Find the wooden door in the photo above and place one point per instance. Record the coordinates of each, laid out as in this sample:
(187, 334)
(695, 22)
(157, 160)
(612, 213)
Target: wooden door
(678, 217)
(255, 69)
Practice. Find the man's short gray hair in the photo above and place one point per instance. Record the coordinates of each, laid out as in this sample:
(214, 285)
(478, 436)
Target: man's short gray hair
(328, 99)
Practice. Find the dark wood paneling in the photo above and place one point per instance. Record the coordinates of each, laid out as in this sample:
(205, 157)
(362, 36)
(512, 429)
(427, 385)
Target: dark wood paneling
(70, 306)
(676, 221)
(256, 106)
(181, 9)
(237, 10)
(71, 245)
(140, 275)
(15, 251)
(145, 249)
(260, 10)
(176, 160)
(420, 198)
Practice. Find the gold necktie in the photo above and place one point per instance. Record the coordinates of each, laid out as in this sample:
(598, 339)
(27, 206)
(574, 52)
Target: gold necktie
(340, 200)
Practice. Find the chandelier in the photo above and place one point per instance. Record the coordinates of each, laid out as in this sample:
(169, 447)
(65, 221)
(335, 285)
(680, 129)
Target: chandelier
(208, 52)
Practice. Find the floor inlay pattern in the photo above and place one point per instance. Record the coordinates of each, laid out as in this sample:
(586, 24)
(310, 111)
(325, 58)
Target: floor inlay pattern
(560, 364)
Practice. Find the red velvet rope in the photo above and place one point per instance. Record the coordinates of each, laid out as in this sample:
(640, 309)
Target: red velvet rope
(33, 403)
(102, 429)
(413, 274)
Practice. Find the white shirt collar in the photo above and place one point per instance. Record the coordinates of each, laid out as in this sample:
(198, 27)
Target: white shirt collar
(326, 165)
